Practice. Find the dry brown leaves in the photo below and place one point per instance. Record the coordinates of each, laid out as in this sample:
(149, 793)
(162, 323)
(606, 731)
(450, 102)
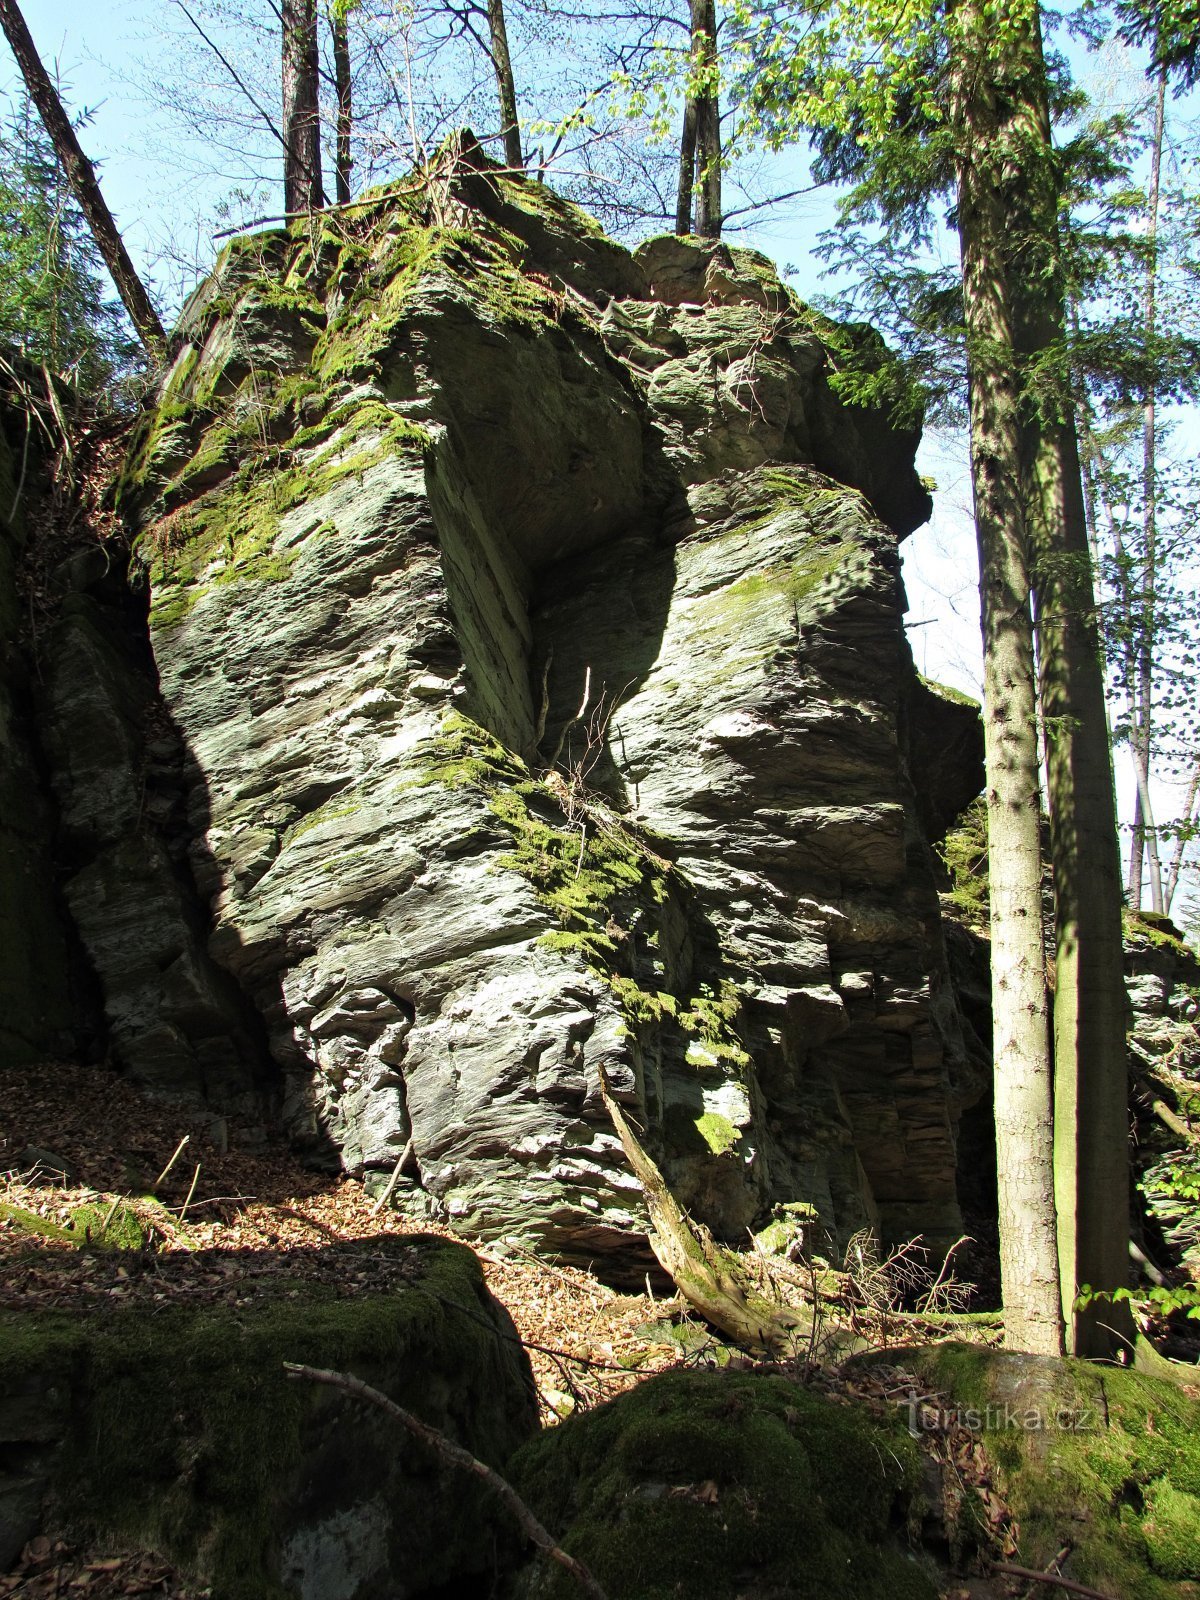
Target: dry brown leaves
(943, 1434)
(228, 1225)
(49, 1568)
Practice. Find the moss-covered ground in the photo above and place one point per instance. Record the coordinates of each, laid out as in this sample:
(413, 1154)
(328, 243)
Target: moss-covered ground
(727, 1484)
(182, 1434)
(1103, 1460)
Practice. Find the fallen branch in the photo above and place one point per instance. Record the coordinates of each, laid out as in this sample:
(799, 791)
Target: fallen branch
(1053, 1578)
(191, 1192)
(700, 1270)
(456, 1456)
(394, 1179)
(1172, 1120)
(162, 1177)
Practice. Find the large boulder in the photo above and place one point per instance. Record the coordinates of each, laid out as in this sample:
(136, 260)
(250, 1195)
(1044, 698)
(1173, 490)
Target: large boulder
(530, 618)
(167, 1422)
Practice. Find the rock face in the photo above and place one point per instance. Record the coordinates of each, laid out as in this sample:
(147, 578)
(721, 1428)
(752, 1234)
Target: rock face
(527, 620)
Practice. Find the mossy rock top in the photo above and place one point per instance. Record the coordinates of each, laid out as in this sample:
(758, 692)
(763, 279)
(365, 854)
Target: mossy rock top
(728, 1484)
(1105, 1460)
(176, 1429)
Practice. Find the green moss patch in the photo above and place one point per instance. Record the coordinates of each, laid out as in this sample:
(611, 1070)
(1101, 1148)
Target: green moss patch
(602, 881)
(727, 1484)
(180, 1431)
(1102, 1459)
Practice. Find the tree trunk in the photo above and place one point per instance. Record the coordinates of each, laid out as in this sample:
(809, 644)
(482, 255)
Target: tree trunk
(687, 168)
(1091, 1088)
(1091, 1091)
(708, 119)
(506, 86)
(1020, 1038)
(339, 29)
(1150, 513)
(81, 176)
(302, 189)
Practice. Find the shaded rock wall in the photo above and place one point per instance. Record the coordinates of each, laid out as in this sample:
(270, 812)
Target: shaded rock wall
(39, 1008)
(527, 624)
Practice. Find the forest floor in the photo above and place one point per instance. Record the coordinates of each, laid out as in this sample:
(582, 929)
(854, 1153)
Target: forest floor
(221, 1225)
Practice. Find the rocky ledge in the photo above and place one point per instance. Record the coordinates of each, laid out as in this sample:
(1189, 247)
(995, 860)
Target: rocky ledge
(536, 710)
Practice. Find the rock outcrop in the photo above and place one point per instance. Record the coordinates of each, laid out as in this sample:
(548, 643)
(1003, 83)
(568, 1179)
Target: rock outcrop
(535, 706)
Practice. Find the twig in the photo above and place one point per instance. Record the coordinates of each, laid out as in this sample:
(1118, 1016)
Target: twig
(394, 1179)
(456, 1456)
(190, 1193)
(179, 1149)
(108, 1216)
(1052, 1567)
(1051, 1578)
(577, 718)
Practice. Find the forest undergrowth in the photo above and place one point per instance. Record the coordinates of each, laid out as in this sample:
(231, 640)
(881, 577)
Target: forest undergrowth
(108, 1198)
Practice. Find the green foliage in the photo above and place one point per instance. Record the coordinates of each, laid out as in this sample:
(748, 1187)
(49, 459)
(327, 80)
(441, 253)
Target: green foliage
(964, 853)
(54, 305)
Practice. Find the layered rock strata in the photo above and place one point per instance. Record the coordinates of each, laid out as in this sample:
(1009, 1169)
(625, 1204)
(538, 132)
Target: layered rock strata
(530, 615)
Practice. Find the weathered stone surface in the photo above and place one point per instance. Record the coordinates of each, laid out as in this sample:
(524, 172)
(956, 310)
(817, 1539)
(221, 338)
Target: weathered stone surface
(175, 1019)
(516, 464)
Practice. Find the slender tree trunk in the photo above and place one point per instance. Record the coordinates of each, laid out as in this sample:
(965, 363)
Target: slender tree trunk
(1188, 819)
(1091, 1085)
(506, 86)
(339, 29)
(1091, 1090)
(1020, 1040)
(81, 175)
(687, 168)
(1145, 729)
(302, 189)
(708, 120)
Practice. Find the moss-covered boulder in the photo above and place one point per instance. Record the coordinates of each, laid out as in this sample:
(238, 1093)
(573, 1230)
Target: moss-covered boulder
(1101, 1460)
(174, 1427)
(727, 1484)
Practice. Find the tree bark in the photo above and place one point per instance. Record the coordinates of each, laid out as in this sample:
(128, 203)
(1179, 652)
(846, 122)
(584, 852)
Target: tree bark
(302, 188)
(339, 29)
(1145, 732)
(1091, 1088)
(687, 168)
(506, 86)
(1020, 1038)
(698, 194)
(708, 120)
(81, 175)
